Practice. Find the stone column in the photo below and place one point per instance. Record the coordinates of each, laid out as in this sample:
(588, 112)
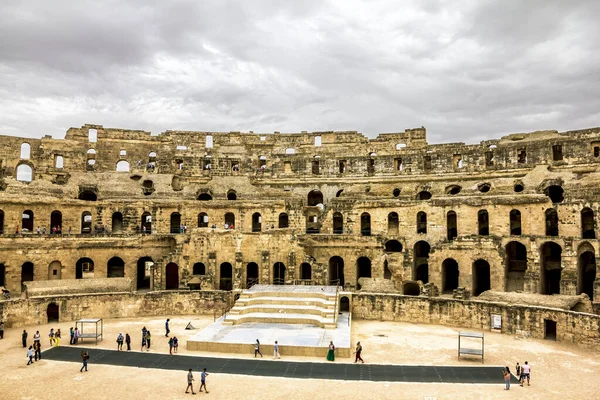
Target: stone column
(265, 268)
(238, 272)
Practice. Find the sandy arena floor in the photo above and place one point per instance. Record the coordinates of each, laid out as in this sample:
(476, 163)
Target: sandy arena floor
(558, 371)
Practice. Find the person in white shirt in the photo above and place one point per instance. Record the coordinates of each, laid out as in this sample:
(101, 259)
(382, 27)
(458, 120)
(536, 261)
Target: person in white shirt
(526, 373)
(276, 350)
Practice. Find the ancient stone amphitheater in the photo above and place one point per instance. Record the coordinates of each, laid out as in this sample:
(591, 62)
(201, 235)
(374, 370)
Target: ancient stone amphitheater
(112, 222)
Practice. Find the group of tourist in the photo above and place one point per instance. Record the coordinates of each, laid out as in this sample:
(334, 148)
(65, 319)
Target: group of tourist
(34, 352)
(190, 380)
(523, 373)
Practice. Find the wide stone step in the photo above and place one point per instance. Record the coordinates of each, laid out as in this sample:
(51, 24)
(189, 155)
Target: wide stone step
(315, 295)
(281, 309)
(327, 323)
(300, 301)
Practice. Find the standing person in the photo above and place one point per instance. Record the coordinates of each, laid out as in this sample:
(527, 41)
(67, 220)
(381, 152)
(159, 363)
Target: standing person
(167, 330)
(143, 342)
(120, 342)
(518, 371)
(526, 373)
(175, 344)
(51, 337)
(36, 336)
(24, 338)
(71, 335)
(57, 338)
(276, 351)
(128, 341)
(30, 355)
(190, 380)
(148, 337)
(76, 336)
(257, 349)
(84, 358)
(171, 346)
(358, 352)
(203, 381)
(1, 329)
(37, 350)
(144, 332)
(331, 352)
(506, 373)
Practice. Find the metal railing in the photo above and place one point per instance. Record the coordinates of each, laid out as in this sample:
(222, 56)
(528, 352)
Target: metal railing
(278, 281)
(337, 287)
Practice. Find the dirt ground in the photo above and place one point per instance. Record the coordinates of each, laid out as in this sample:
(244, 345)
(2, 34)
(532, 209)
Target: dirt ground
(558, 371)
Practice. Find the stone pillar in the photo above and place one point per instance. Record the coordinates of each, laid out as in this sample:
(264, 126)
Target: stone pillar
(265, 268)
(238, 272)
(212, 269)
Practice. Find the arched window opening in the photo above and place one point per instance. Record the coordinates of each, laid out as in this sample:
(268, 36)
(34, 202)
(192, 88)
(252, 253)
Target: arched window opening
(175, 222)
(339, 193)
(172, 276)
(312, 223)
(484, 187)
(424, 195)
(316, 165)
(393, 246)
(229, 221)
(387, 274)
(144, 269)
(338, 223)
(551, 267)
(393, 223)
(256, 222)
(203, 220)
(279, 273)
(586, 273)
(199, 269)
(515, 222)
(262, 162)
(2, 275)
(209, 142)
(551, 222)
(86, 222)
(317, 141)
(56, 222)
(225, 276)
(115, 268)
(1, 224)
(421, 261)
(25, 151)
(231, 195)
(84, 268)
(204, 197)
(146, 222)
(481, 277)
(315, 197)
(555, 193)
(27, 221)
(516, 265)
(453, 190)
(92, 135)
(451, 225)
(344, 304)
(251, 274)
(421, 222)
(88, 195)
(411, 289)
(122, 166)
(27, 272)
(363, 269)
(365, 224)
(283, 221)
(588, 225)
(54, 271)
(336, 271)
(24, 173)
(305, 272)
(117, 222)
(59, 162)
(483, 222)
(450, 275)
(518, 188)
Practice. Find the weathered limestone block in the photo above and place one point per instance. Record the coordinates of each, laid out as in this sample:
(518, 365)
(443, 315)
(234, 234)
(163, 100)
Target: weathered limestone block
(77, 286)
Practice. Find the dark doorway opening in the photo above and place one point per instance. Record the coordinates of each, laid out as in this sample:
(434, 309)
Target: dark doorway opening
(336, 271)
(549, 329)
(55, 220)
(338, 223)
(231, 195)
(363, 269)
(172, 276)
(27, 272)
(345, 304)
(27, 221)
(225, 276)
(203, 220)
(483, 222)
(52, 312)
(305, 271)
(146, 222)
(387, 274)
(516, 265)
(84, 268)
(449, 275)
(1, 222)
(279, 273)
(587, 224)
(115, 268)
(481, 277)
(586, 273)
(451, 229)
(143, 273)
(230, 220)
(283, 220)
(393, 246)
(365, 224)
(256, 222)
(551, 222)
(175, 222)
(251, 274)
(411, 289)
(551, 259)
(421, 261)
(117, 222)
(515, 222)
(315, 197)
(393, 223)
(421, 222)
(2, 275)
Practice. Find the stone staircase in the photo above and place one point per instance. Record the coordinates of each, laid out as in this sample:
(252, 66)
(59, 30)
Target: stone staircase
(279, 304)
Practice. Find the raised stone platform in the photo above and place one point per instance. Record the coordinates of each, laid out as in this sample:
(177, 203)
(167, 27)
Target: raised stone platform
(303, 319)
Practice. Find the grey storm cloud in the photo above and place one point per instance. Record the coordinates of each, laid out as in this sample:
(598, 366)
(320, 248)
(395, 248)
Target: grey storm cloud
(466, 70)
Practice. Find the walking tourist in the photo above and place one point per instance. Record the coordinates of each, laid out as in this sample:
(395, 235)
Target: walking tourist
(358, 353)
(128, 341)
(526, 373)
(190, 379)
(203, 381)
(506, 373)
(148, 337)
(276, 351)
(331, 352)
(37, 351)
(30, 355)
(257, 349)
(167, 330)
(51, 337)
(120, 339)
(84, 358)
(24, 338)
(57, 338)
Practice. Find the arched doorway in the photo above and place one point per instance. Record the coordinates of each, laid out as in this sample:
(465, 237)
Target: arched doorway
(450, 275)
(231, 195)
(86, 222)
(393, 246)
(365, 224)
(481, 277)
(27, 272)
(203, 220)
(55, 220)
(336, 271)
(54, 270)
(146, 222)
(279, 273)
(283, 220)
(53, 313)
(393, 223)
(586, 270)
(144, 268)
(451, 226)
(363, 269)
(588, 224)
(421, 261)
(117, 222)
(230, 220)
(115, 268)
(345, 304)
(225, 276)
(516, 265)
(305, 271)
(175, 222)
(2, 275)
(338, 223)
(411, 289)
(256, 222)
(251, 274)
(27, 221)
(1, 222)
(315, 197)
(172, 276)
(84, 268)
(551, 267)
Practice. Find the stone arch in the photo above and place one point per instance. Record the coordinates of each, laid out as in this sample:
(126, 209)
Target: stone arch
(588, 224)
(365, 224)
(86, 222)
(551, 222)
(117, 222)
(144, 269)
(393, 223)
(450, 275)
(516, 265)
(424, 195)
(231, 194)
(344, 304)
(252, 276)
(55, 219)
(363, 269)
(338, 223)
(315, 197)
(336, 271)
(483, 223)
(84, 268)
(53, 313)
(25, 153)
(115, 268)
(204, 197)
(481, 277)
(226, 276)
(203, 220)
(146, 222)
(550, 268)
(422, 222)
(451, 225)
(586, 269)
(420, 271)
(555, 193)
(515, 222)
(199, 269)
(171, 276)
(256, 222)
(24, 172)
(27, 221)
(27, 272)
(393, 246)
(175, 222)
(283, 221)
(88, 195)
(305, 271)
(54, 270)
(279, 272)
(122, 166)
(230, 220)
(411, 289)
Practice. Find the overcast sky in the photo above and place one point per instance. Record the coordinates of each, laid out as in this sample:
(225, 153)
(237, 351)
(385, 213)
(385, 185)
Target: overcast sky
(466, 70)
